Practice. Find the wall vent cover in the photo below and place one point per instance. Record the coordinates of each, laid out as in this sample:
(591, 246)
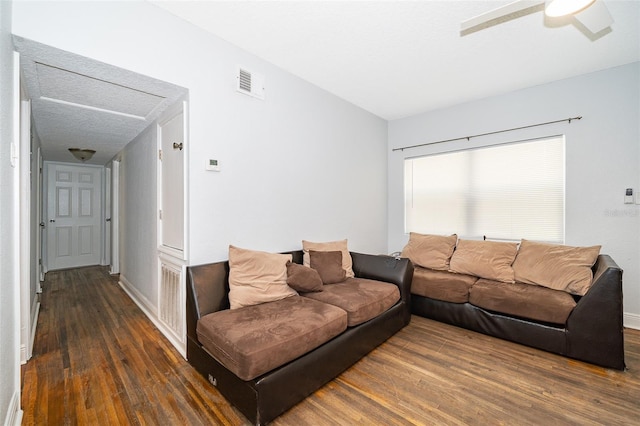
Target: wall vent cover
(250, 83)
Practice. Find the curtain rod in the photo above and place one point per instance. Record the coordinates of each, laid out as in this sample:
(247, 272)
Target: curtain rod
(487, 134)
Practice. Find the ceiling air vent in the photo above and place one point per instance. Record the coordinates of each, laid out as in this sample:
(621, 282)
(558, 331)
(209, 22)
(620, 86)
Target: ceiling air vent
(250, 83)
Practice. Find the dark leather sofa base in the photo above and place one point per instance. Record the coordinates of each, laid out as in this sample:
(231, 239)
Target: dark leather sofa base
(466, 315)
(593, 332)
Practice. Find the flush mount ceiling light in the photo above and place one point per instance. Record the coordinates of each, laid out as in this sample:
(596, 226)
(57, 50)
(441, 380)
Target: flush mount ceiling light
(82, 154)
(556, 8)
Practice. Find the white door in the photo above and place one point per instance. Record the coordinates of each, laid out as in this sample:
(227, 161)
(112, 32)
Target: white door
(172, 208)
(73, 216)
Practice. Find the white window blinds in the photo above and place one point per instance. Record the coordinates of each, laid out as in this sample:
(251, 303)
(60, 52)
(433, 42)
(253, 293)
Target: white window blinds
(508, 192)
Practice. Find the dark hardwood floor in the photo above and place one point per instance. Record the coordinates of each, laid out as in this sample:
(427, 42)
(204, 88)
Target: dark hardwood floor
(98, 360)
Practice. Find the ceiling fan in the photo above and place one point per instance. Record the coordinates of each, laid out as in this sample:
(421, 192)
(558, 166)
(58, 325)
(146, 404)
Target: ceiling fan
(592, 14)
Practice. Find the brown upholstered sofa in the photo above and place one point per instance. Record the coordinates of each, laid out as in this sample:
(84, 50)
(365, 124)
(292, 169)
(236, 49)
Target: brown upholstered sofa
(580, 318)
(266, 358)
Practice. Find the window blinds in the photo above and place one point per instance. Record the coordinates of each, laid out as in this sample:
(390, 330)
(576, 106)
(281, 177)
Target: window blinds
(510, 191)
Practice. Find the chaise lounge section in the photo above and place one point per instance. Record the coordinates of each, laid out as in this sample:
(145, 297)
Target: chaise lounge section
(248, 354)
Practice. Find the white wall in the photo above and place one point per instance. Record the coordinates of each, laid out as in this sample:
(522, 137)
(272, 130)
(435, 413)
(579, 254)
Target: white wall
(602, 157)
(34, 226)
(302, 164)
(9, 289)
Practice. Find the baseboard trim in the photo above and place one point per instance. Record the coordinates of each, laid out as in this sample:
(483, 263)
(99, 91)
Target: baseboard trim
(152, 313)
(631, 321)
(26, 350)
(23, 354)
(14, 413)
(34, 324)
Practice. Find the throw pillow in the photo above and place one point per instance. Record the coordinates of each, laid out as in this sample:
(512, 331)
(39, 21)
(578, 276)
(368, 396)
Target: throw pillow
(430, 251)
(485, 259)
(302, 278)
(556, 266)
(329, 265)
(347, 263)
(257, 277)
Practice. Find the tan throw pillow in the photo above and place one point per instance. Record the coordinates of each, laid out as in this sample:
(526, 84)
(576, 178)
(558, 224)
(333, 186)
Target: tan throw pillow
(257, 277)
(430, 251)
(302, 278)
(556, 266)
(329, 265)
(341, 245)
(485, 259)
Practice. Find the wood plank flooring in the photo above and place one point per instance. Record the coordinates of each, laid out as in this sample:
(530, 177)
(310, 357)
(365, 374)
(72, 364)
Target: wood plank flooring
(99, 360)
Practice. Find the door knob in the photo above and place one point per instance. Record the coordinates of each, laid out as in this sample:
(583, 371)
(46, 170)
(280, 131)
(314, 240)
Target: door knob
(42, 224)
(108, 219)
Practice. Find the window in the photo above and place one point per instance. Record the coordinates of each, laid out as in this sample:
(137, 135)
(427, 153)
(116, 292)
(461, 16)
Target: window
(509, 191)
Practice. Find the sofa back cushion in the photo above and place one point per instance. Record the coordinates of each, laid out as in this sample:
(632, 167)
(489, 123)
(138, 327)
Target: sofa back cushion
(430, 251)
(341, 245)
(485, 259)
(556, 266)
(257, 277)
(329, 266)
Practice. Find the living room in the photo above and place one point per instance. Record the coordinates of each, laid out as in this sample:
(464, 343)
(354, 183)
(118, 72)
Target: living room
(305, 164)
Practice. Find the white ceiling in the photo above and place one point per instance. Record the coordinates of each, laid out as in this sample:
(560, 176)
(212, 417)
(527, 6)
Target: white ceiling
(77, 102)
(400, 58)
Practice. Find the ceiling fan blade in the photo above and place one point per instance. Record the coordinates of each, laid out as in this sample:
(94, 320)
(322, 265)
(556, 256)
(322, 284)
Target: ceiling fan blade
(500, 12)
(595, 17)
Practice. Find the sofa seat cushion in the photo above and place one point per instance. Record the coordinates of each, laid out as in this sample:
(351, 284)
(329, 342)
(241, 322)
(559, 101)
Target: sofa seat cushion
(523, 300)
(362, 299)
(442, 285)
(253, 340)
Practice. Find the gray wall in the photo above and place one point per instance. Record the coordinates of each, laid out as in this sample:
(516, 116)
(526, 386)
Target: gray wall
(602, 157)
(302, 164)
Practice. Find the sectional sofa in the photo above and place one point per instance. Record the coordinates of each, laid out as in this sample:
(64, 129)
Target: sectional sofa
(266, 357)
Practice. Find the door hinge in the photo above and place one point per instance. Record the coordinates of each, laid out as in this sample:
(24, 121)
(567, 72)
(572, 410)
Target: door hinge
(160, 214)
(160, 154)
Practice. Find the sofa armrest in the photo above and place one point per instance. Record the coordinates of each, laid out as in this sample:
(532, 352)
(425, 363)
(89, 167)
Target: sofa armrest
(595, 326)
(385, 268)
(207, 292)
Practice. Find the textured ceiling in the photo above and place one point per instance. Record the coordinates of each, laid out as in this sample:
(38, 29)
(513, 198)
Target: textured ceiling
(399, 58)
(77, 102)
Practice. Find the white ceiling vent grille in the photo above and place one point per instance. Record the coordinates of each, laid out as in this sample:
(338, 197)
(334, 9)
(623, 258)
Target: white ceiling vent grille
(250, 83)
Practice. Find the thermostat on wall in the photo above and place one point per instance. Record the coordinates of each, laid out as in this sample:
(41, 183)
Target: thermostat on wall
(213, 165)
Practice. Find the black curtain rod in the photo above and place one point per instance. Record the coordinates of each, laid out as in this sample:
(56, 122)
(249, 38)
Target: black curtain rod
(487, 134)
